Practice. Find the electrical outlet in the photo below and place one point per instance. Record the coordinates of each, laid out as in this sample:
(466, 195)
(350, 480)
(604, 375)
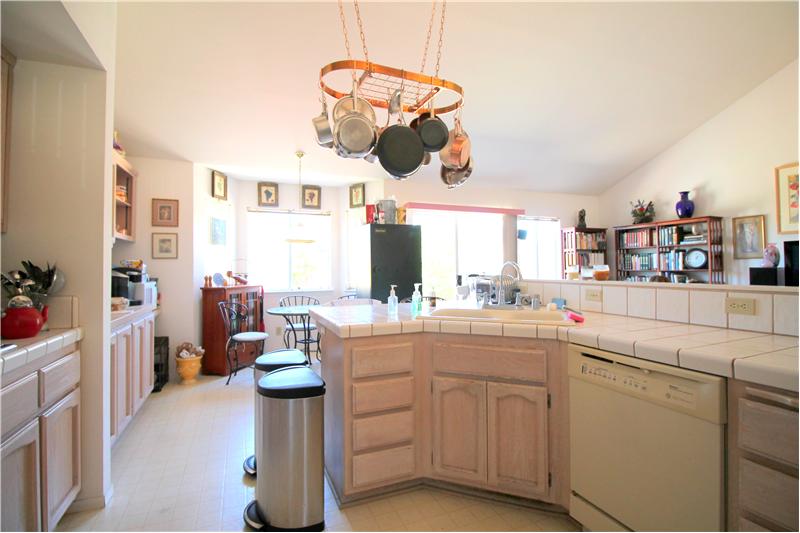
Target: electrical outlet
(740, 306)
(593, 295)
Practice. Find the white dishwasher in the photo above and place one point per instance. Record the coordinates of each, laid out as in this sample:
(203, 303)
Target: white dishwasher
(647, 444)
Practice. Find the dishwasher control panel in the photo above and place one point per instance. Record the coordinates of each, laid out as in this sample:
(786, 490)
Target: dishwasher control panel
(640, 382)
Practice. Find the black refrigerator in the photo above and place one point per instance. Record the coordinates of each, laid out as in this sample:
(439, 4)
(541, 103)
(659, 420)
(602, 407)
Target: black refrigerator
(387, 254)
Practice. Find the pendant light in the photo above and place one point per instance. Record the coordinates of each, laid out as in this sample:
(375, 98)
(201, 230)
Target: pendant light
(298, 233)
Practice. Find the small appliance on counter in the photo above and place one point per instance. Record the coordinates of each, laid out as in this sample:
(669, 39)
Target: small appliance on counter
(139, 290)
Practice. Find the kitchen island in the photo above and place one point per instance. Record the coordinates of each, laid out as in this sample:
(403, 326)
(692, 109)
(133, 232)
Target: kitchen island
(482, 405)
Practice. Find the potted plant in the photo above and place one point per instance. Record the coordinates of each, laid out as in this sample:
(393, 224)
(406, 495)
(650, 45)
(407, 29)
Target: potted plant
(188, 359)
(26, 292)
(642, 212)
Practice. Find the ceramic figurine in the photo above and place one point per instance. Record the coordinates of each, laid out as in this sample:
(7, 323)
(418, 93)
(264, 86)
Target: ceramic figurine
(581, 219)
(772, 256)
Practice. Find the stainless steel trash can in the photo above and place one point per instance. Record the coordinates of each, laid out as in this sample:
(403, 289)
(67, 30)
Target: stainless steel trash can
(290, 492)
(264, 364)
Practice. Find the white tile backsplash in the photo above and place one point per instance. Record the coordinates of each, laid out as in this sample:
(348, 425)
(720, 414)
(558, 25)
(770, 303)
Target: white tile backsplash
(785, 314)
(591, 305)
(615, 300)
(572, 294)
(550, 291)
(641, 302)
(672, 305)
(707, 308)
(535, 288)
(761, 320)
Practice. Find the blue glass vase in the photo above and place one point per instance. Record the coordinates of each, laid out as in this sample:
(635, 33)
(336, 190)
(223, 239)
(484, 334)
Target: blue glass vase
(684, 207)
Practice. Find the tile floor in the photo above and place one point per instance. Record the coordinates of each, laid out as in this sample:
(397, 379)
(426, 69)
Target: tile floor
(178, 467)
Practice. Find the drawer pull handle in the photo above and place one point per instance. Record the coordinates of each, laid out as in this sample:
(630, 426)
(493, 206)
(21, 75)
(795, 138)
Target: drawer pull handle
(772, 397)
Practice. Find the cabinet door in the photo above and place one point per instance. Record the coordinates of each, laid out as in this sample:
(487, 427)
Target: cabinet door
(121, 382)
(517, 435)
(138, 357)
(61, 458)
(151, 352)
(459, 429)
(20, 480)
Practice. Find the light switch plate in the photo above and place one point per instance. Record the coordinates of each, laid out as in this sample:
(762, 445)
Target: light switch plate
(740, 306)
(593, 295)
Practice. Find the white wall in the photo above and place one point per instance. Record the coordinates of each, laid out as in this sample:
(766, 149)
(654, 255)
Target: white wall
(728, 163)
(174, 180)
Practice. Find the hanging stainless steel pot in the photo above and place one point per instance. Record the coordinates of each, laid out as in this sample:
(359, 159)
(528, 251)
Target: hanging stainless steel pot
(322, 126)
(456, 177)
(457, 151)
(354, 133)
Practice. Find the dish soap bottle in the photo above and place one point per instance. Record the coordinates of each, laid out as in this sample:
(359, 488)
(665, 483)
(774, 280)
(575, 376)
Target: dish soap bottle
(392, 302)
(433, 299)
(416, 301)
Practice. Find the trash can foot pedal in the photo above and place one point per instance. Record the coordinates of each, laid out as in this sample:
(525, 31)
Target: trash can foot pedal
(249, 465)
(253, 520)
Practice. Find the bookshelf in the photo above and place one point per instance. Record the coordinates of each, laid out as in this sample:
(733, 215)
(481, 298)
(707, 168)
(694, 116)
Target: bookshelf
(660, 248)
(582, 247)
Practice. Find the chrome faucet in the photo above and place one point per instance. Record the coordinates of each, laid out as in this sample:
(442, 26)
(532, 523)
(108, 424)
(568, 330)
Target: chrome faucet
(536, 302)
(517, 272)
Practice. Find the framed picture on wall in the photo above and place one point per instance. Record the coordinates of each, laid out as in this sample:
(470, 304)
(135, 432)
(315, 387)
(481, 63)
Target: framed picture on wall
(357, 195)
(786, 197)
(165, 246)
(267, 194)
(219, 185)
(164, 212)
(312, 197)
(219, 231)
(749, 237)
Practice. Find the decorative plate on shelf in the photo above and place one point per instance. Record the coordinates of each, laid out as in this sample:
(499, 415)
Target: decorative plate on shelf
(696, 258)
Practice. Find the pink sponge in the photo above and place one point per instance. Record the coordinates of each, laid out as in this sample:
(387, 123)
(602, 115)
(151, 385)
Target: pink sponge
(575, 316)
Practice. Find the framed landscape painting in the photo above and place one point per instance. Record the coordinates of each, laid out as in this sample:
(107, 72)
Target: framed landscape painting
(786, 196)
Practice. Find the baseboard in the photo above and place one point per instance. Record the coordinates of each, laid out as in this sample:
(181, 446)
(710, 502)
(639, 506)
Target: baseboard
(89, 504)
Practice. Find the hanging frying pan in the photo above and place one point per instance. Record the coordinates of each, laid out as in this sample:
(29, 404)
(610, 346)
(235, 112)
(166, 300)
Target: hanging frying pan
(400, 150)
(431, 129)
(456, 152)
(354, 133)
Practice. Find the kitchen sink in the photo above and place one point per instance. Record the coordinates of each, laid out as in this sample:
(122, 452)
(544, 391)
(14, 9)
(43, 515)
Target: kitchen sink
(522, 316)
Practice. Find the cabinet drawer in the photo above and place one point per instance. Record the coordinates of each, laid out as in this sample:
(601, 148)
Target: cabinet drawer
(768, 493)
(528, 365)
(385, 466)
(768, 430)
(59, 377)
(382, 360)
(20, 402)
(382, 395)
(383, 430)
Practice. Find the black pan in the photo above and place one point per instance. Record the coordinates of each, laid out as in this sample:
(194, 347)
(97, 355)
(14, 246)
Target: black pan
(432, 130)
(400, 151)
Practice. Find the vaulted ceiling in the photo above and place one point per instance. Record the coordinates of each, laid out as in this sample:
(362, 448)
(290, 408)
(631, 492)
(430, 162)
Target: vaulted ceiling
(567, 97)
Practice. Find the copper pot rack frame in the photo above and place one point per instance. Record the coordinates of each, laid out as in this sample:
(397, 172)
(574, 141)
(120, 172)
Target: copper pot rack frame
(376, 84)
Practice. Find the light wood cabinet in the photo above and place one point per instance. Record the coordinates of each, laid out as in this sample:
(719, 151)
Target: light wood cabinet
(459, 429)
(517, 438)
(21, 502)
(150, 323)
(61, 463)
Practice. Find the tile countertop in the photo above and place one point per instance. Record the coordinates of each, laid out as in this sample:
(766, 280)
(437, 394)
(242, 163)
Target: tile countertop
(752, 356)
(28, 350)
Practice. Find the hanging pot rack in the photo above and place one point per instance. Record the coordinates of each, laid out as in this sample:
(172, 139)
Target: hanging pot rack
(376, 83)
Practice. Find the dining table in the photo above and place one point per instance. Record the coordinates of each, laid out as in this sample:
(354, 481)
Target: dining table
(298, 318)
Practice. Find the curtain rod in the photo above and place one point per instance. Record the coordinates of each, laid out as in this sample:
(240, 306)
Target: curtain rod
(288, 211)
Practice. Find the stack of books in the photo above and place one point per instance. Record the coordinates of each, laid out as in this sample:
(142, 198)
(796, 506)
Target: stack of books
(691, 240)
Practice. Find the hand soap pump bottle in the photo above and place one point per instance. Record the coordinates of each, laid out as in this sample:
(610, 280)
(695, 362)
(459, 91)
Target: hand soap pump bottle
(392, 302)
(416, 301)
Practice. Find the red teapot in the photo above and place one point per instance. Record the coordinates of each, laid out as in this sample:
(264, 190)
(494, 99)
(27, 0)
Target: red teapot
(21, 319)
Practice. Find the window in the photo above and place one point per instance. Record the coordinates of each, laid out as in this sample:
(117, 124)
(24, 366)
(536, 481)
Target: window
(280, 265)
(539, 253)
(457, 243)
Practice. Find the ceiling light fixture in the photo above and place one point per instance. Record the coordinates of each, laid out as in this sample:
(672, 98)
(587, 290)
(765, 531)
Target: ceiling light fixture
(298, 233)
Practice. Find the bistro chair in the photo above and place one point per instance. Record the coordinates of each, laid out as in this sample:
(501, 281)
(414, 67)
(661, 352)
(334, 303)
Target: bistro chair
(299, 328)
(234, 316)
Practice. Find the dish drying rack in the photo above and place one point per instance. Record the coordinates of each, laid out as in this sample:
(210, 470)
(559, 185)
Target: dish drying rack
(376, 83)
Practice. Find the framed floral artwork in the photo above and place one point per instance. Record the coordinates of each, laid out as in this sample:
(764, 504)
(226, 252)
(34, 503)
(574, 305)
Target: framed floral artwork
(357, 195)
(164, 212)
(219, 185)
(312, 197)
(786, 197)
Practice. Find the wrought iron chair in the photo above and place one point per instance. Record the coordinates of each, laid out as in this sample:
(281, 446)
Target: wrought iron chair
(234, 316)
(299, 328)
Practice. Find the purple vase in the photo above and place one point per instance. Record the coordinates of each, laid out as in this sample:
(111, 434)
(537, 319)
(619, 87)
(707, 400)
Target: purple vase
(684, 207)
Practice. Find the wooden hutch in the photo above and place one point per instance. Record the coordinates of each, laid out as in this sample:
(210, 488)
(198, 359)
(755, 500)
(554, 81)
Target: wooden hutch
(582, 247)
(214, 336)
(659, 248)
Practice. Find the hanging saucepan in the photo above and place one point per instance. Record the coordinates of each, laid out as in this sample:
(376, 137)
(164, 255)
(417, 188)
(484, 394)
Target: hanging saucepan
(400, 150)
(431, 129)
(322, 126)
(455, 155)
(456, 177)
(354, 133)
(394, 106)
